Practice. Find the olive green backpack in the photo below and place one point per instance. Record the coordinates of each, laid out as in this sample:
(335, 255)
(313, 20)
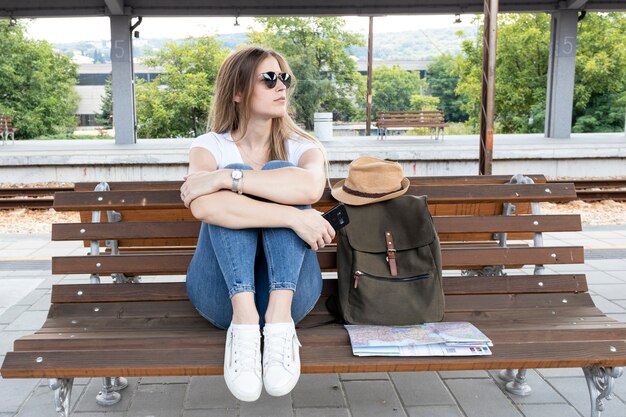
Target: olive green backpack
(389, 264)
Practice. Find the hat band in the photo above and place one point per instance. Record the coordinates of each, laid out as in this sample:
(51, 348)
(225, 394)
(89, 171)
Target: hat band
(368, 195)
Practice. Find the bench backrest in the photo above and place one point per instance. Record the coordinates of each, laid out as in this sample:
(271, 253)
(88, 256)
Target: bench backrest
(6, 123)
(157, 234)
(410, 117)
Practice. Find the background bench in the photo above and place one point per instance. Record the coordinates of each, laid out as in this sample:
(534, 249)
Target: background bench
(430, 119)
(6, 129)
(535, 319)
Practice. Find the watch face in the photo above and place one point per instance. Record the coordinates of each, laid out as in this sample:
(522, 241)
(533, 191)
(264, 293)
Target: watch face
(236, 175)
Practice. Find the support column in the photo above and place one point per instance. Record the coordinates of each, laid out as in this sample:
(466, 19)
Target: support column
(561, 72)
(122, 80)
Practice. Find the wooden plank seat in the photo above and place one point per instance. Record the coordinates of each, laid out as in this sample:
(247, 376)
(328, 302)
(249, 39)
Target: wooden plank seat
(431, 119)
(535, 318)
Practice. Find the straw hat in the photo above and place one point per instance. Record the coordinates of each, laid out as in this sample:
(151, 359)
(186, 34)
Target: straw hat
(370, 180)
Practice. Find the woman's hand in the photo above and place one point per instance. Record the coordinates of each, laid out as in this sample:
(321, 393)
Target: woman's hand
(313, 228)
(201, 183)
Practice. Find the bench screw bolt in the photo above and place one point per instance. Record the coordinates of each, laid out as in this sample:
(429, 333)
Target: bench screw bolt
(82, 231)
(540, 284)
(613, 349)
(100, 198)
(565, 300)
(98, 265)
(79, 293)
(96, 309)
(549, 191)
(536, 223)
(39, 359)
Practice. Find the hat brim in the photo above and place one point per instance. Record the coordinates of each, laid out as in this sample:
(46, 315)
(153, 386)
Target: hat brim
(354, 200)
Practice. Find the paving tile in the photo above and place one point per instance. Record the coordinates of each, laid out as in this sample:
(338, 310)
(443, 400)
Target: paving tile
(372, 399)
(7, 339)
(28, 320)
(576, 392)
(621, 275)
(157, 400)
(463, 374)
(267, 406)
(14, 290)
(421, 388)
(480, 397)
(542, 392)
(559, 372)
(543, 410)
(33, 296)
(322, 412)
(209, 392)
(320, 390)
(43, 303)
(12, 313)
(611, 291)
(96, 414)
(88, 400)
(362, 376)
(601, 277)
(618, 317)
(13, 392)
(606, 306)
(164, 380)
(435, 411)
(41, 403)
(215, 412)
(607, 264)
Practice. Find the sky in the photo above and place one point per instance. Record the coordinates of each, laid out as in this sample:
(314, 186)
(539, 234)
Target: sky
(60, 30)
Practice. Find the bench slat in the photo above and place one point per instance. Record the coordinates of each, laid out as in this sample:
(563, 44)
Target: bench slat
(452, 258)
(439, 179)
(331, 359)
(170, 199)
(175, 291)
(214, 337)
(448, 224)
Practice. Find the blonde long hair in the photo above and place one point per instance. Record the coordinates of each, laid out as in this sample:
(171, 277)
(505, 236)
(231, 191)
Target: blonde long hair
(237, 75)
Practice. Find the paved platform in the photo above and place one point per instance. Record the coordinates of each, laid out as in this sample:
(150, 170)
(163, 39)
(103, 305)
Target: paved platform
(583, 155)
(25, 283)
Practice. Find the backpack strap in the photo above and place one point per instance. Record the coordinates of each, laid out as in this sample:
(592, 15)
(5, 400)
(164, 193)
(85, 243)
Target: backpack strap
(391, 254)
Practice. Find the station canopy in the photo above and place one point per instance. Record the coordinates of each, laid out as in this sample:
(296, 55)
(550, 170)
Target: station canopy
(162, 8)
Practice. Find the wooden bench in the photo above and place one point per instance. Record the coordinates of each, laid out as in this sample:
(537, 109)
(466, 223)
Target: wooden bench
(6, 129)
(430, 119)
(535, 319)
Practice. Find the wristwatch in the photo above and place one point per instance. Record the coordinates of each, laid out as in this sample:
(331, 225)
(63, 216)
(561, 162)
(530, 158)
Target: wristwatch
(237, 184)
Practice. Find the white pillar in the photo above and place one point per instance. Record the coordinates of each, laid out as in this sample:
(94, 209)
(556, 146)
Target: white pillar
(122, 80)
(561, 72)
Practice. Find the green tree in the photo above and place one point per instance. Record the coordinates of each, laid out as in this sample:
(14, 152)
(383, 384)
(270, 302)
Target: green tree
(105, 117)
(177, 102)
(316, 48)
(522, 67)
(600, 89)
(36, 84)
(392, 88)
(442, 81)
(420, 102)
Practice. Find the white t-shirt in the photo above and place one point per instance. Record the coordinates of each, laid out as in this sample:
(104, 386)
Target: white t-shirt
(225, 152)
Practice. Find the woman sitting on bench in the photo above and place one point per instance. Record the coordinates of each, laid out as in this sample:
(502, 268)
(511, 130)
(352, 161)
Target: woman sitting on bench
(251, 181)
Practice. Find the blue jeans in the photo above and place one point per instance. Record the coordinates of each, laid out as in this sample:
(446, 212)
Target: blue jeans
(259, 260)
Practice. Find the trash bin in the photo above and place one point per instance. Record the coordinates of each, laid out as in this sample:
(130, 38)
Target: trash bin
(323, 125)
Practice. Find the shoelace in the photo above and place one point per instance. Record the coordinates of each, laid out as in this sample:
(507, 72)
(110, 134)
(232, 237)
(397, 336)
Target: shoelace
(246, 354)
(280, 352)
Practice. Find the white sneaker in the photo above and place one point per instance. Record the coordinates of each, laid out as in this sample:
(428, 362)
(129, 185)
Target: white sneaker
(242, 361)
(281, 358)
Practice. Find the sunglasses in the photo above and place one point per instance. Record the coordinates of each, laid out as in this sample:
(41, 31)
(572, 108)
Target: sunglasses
(270, 78)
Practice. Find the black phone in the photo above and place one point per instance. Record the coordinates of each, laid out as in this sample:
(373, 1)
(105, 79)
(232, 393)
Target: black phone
(337, 216)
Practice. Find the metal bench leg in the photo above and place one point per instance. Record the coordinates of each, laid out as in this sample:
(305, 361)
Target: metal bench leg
(108, 396)
(601, 382)
(515, 381)
(62, 388)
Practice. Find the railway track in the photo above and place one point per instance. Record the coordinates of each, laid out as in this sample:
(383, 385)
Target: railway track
(41, 198)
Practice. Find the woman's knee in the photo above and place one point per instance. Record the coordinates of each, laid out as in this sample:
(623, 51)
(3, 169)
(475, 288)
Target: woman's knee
(276, 164)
